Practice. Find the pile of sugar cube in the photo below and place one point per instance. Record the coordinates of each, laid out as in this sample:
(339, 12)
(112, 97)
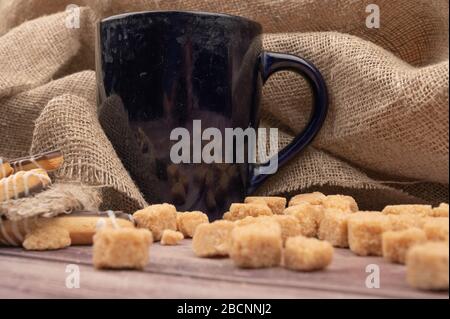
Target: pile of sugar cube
(263, 232)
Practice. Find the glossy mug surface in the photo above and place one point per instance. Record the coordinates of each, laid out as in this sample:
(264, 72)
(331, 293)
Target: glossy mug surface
(159, 71)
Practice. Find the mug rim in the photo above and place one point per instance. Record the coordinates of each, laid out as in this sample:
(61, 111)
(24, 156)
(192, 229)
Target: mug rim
(188, 12)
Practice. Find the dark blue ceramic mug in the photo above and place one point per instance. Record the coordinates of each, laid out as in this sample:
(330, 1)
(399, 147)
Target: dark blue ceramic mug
(161, 71)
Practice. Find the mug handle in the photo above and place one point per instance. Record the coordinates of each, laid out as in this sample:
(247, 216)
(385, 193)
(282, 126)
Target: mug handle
(271, 62)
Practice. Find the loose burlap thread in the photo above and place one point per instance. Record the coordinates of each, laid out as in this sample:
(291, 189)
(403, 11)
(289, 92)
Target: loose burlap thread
(385, 139)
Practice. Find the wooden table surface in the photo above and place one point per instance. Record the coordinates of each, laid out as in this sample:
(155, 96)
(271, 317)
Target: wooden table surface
(174, 272)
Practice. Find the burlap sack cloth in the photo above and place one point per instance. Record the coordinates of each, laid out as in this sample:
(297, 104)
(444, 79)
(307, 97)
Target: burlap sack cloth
(385, 139)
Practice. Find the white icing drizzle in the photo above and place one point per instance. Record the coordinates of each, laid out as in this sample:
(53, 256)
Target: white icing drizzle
(14, 187)
(131, 219)
(112, 217)
(20, 165)
(5, 182)
(34, 161)
(26, 187)
(100, 224)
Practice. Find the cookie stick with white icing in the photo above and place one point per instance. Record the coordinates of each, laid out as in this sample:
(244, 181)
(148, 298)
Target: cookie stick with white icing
(23, 183)
(13, 233)
(49, 161)
(81, 226)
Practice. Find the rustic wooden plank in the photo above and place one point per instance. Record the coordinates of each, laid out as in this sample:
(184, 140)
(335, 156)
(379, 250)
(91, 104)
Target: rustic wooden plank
(345, 276)
(26, 278)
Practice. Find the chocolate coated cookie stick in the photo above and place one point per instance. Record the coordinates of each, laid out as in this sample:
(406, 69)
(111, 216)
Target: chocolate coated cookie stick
(48, 161)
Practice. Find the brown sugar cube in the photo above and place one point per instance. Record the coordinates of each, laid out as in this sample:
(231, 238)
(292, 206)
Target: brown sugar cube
(290, 226)
(402, 222)
(440, 211)
(157, 218)
(396, 244)
(333, 228)
(212, 239)
(307, 254)
(436, 228)
(364, 232)
(47, 238)
(251, 220)
(187, 222)
(276, 204)
(310, 198)
(122, 248)
(427, 266)
(341, 202)
(309, 217)
(256, 245)
(420, 210)
(239, 211)
(171, 237)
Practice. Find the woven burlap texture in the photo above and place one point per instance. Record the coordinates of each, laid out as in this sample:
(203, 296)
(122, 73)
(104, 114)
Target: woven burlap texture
(385, 139)
(58, 199)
